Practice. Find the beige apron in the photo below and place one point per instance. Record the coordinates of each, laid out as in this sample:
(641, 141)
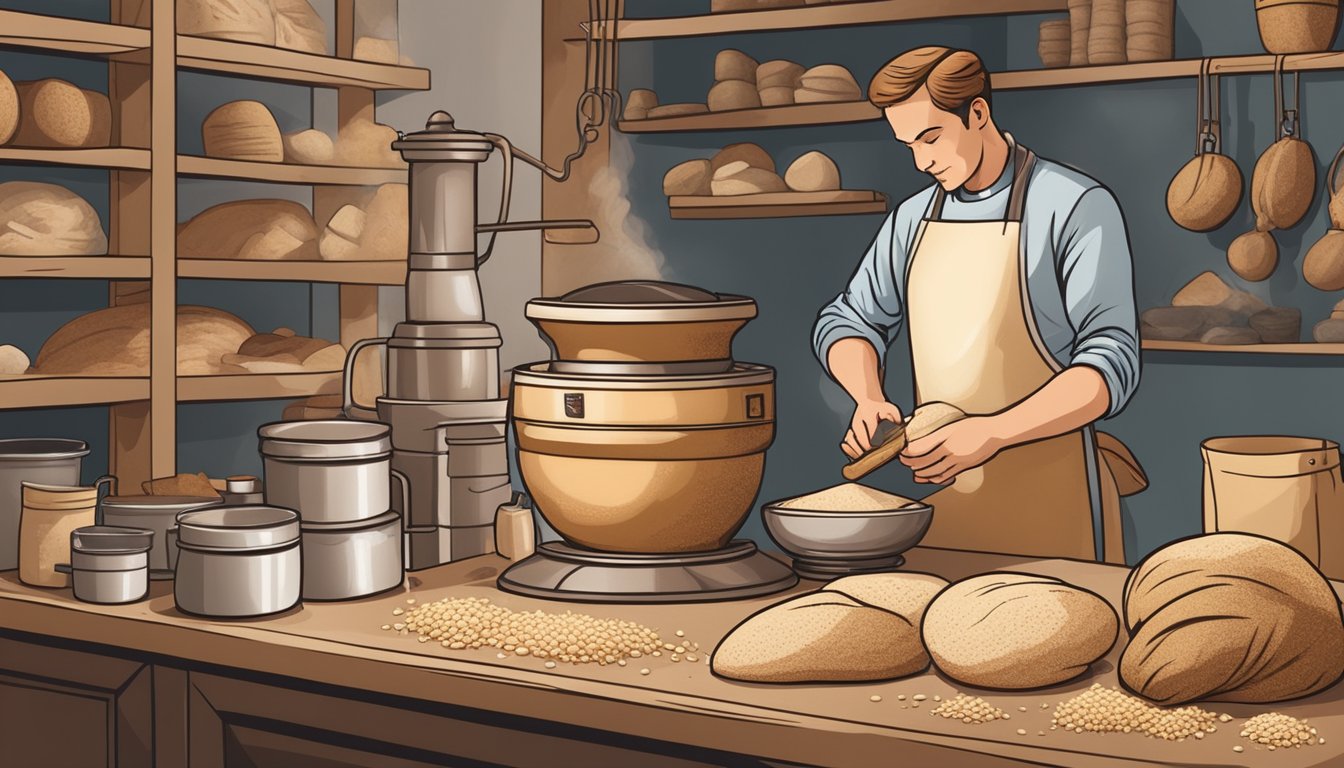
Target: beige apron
(975, 345)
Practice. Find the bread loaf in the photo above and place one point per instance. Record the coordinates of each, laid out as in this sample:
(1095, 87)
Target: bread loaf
(299, 28)
(334, 247)
(1253, 256)
(732, 64)
(1230, 617)
(830, 78)
(812, 172)
(348, 222)
(38, 219)
(9, 109)
(328, 358)
(243, 130)
(1329, 331)
(739, 178)
(13, 361)
(246, 21)
(1017, 631)
(779, 73)
(688, 178)
(1278, 325)
(181, 484)
(1053, 43)
(1106, 35)
(54, 113)
(1205, 193)
(777, 96)
(273, 344)
(377, 49)
(387, 227)
(1080, 22)
(677, 110)
(733, 94)
(1184, 323)
(310, 147)
(809, 96)
(1230, 335)
(638, 104)
(1284, 182)
(751, 154)
(1206, 290)
(857, 628)
(115, 342)
(1323, 266)
(1150, 30)
(264, 230)
(368, 144)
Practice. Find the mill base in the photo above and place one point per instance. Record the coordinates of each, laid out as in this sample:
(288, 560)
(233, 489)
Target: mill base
(826, 570)
(560, 571)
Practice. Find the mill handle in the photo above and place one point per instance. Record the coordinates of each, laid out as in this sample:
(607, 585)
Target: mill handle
(348, 404)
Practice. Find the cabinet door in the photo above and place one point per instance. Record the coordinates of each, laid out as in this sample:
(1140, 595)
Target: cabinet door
(237, 723)
(68, 708)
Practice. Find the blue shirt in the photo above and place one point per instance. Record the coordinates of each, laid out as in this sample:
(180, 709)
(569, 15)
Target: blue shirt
(1080, 276)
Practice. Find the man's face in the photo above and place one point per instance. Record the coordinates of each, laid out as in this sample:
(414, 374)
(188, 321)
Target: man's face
(943, 146)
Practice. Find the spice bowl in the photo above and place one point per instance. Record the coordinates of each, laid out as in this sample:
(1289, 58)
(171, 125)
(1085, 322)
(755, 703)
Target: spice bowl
(826, 544)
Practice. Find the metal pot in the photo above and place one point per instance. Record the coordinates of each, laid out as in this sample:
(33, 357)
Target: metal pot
(108, 564)
(328, 471)
(237, 562)
(155, 513)
(347, 560)
(44, 461)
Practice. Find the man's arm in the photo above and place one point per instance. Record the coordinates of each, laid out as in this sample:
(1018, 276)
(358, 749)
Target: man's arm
(1096, 273)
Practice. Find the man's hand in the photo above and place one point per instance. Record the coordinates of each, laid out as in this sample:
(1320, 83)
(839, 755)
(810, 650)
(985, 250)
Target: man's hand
(939, 457)
(859, 437)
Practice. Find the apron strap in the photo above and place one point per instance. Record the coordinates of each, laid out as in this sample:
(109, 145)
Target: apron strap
(1024, 162)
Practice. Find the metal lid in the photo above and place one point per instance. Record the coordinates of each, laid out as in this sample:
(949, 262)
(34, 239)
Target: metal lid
(442, 140)
(42, 449)
(325, 440)
(642, 301)
(446, 336)
(159, 503)
(249, 527)
(111, 539)
(351, 525)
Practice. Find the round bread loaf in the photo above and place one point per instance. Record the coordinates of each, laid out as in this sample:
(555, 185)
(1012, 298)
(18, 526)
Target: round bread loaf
(1323, 266)
(812, 172)
(367, 144)
(1253, 256)
(310, 147)
(907, 593)
(830, 78)
(1284, 182)
(39, 219)
(778, 73)
(1017, 631)
(732, 64)
(751, 154)
(677, 110)
(264, 230)
(733, 94)
(1205, 193)
(298, 27)
(55, 113)
(115, 342)
(247, 21)
(688, 178)
(739, 178)
(1230, 617)
(13, 361)
(1230, 335)
(638, 104)
(243, 130)
(9, 109)
(776, 96)
(1329, 331)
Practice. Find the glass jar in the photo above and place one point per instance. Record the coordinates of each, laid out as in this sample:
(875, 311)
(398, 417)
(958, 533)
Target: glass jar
(376, 32)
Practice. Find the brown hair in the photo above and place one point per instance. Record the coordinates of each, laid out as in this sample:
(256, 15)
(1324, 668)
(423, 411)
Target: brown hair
(954, 78)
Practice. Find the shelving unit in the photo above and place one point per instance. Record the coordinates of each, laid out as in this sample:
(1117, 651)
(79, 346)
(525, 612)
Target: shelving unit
(144, 56)
(773, 205)
(1303, 348)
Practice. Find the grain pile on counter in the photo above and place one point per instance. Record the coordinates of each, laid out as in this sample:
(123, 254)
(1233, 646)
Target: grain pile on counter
(1279, 730)
(969, 709)
(1109, 710)
(473, 623)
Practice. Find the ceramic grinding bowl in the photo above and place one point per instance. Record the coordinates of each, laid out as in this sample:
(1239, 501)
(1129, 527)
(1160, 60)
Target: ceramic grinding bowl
(829, 544)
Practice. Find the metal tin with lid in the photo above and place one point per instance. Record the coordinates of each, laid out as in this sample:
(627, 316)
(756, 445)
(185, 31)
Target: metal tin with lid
(44, 461)
(342, 561)
(109, 564)
(328, 471)
(236, 562)
(155, 513)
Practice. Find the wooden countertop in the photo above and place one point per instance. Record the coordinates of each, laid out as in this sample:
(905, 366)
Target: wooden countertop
(829, 725)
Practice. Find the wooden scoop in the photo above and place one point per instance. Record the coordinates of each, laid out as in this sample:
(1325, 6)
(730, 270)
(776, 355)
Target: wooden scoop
(888, 440)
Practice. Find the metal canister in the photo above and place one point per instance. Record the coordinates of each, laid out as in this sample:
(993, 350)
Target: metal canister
(328, 471)
(237, 562)
(109, 564)
(342, 561)
(155, 513)
(43, 461)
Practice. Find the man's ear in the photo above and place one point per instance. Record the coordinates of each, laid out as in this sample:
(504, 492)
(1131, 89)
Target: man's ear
(979, 112)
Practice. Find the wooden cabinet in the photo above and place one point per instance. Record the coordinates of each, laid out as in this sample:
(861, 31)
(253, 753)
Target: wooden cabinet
(62, 708)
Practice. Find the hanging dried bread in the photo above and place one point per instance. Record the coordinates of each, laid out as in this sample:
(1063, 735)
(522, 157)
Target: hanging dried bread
(13, 361)
(1206, 191)
(9, 109)
(1230, 617)
(55, 113)
(246, 21)
(39, 219)
(740, 178)
(115, 342)
(688, 178)
(732, 64)
(243, 130)
(812, 172)
(1323, 266)
(262, 230)
(1254, 255)
(299, 28)
(310, 147)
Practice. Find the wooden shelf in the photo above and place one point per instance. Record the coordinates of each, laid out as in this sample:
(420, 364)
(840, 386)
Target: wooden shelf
(1302, 348)
(819, 16)
(284, 173)
(34, 391)
(762, 117)
(268, 63)
(772, 205)
(342, 272)
(53, 33)
(256, 386)
(90, 267)
(113, 158)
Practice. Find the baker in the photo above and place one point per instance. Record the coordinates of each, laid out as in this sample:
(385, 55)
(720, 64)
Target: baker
(1013, 277)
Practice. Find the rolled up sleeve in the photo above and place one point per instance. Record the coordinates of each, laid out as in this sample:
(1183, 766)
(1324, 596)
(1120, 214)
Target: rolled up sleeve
(1097, 274)
(870, 306)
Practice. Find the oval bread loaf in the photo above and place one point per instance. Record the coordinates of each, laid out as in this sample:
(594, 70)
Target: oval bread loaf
(830, 78)
(1230, 617)
(739, 178)
(247, 21)
(907, 593)
(638, 104)
(239, 230)
(751, 154)
(733, 94)
(677, 110)
(1323, 266)
(40, 219)
(688, 178)
(776, 96)
(243, 130)
(115, 342)
(55, 113)
(732, 64)
(13, 361)
(1017, 631)
(931, 417)
(310, 147)
(9, 109)
(812, 172)
(779, 73)
(1284, 182)
(299, 28)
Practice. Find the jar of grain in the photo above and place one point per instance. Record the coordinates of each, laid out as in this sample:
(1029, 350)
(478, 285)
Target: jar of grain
(50, 514)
